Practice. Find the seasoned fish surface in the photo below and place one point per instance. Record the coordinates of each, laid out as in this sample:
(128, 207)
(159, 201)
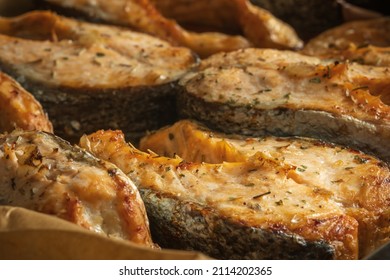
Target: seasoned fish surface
(259, 26)
(235, 210)
(259, 91)
(52, 47)
(42, 172)
(90, 76)
(18, 108)
(357, 181)
(365, 42)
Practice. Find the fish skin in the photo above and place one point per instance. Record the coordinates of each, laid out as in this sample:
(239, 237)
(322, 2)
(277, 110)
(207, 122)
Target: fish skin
(90, 76)
(19, 109)
(186, 225)
(221, 211)
(44, 173)
(358, 181)
(256, 92)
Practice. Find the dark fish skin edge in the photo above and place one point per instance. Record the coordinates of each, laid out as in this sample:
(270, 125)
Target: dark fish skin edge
(132, 109)
(343, 130)
(185, 225)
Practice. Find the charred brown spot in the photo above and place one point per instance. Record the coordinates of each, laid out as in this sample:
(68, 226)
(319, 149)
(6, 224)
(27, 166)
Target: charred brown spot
(112, 172)
(34, 158)
(185, 165)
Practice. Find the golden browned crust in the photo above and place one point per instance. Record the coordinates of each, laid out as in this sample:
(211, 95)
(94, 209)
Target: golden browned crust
(42, 172)
(264, 91)
(60, 51)
(19, 109)
(258, 26)
(92, 76)
(260, 193)
(358, 181)
(364, 41)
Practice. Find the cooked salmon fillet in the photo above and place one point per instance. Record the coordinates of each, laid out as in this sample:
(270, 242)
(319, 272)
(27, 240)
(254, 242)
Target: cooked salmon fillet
(356, 180)
(364, 42)
(19, 109)
(253, 209)
(90, 76)
(259, 27)
(42, 172)
(261, 91)
(51, 46)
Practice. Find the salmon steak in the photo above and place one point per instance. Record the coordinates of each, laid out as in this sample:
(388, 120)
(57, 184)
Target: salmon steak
(357, 181)
(42, 172)
(257, 92)
(364, 41)
(90, 76)
(259, 208)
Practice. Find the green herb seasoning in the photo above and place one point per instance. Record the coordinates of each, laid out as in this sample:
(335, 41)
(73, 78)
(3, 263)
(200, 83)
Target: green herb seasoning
(265, 90)
(255, 101)
(315, 80)
(302, 168)
(231, 101)
(337, 181)
(261, 195)
(359, 160)
(279, 203)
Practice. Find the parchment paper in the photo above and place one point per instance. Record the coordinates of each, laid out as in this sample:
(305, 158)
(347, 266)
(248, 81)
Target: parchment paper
(26, 234)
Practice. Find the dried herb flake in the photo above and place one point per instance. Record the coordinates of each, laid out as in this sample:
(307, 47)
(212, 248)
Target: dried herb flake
(315, 80)
(279, 203)
(359, 160)
(261, 195)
